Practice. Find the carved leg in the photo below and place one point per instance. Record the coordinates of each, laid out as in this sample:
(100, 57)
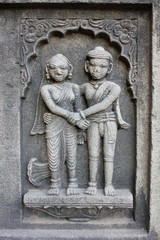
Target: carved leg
(72, 187)
(94, 152)
(53, 150)
(71, 159)
(108, 174)
(93, 169)
(109, 150)
(55, 184)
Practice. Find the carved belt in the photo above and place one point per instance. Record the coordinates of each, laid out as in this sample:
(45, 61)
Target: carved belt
(103, 117)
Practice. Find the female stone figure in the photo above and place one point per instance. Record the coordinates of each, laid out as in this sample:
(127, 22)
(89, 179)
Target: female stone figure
(62, 98)
(103, 112)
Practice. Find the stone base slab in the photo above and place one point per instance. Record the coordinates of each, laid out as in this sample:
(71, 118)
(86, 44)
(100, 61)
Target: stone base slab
(39, 199)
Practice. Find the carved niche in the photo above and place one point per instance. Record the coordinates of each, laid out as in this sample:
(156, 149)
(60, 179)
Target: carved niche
(71, 203)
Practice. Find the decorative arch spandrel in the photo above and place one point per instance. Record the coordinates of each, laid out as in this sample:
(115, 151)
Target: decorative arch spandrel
(121, 32)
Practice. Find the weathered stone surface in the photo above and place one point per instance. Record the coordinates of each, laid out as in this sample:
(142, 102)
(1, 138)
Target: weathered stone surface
(79, 207)
(155, 128)
(139, 167)
(36, 198)
(79, 1)
(77, 234)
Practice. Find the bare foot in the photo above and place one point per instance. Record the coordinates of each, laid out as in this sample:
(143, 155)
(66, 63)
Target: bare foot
(109, 190)
(72, 191)
(53, 191)
(91, 190)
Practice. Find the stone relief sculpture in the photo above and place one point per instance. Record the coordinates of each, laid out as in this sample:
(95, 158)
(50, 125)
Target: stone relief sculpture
(65, 121)
(64, 118)
(61, 98)
(104, 115)
(102, 118)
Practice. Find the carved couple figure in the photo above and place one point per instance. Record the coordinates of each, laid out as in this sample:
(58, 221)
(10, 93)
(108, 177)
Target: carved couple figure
(101, 118)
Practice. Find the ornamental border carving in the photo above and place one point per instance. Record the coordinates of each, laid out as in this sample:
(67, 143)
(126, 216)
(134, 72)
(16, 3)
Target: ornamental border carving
(122, 32)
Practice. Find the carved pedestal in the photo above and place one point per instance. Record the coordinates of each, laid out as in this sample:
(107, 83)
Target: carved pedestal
(78, 207)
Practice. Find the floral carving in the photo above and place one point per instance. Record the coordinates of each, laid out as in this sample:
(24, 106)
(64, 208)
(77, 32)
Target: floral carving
(64, 212)
(31, 30)
(125, 30)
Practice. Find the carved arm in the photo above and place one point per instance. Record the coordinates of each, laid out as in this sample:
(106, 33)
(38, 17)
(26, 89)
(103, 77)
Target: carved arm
(103, 105)
(77, 103)
(121, 122)
(51, 104)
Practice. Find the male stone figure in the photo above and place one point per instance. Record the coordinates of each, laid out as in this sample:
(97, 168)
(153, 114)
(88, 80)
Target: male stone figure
(104, 115)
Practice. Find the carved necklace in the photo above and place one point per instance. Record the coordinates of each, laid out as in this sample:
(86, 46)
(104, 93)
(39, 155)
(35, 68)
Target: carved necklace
(95, 84)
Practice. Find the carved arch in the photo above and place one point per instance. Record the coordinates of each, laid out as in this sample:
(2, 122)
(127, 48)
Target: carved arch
(121, 32)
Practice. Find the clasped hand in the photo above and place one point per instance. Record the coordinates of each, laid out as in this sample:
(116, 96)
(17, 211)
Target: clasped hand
(76, 119)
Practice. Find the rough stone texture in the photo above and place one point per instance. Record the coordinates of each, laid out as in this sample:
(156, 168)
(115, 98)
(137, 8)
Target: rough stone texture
(79, 1)
(80, 207)
(13, 182)
(76, 235)
(155, 127)
(10, 183)
(35, 198)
